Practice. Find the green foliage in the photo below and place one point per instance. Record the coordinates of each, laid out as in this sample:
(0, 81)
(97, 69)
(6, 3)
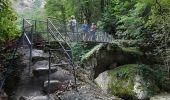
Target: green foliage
(91, 10)
(8, 29)
(80, 49)
(159, 75)
(123, 80)
(91, 52)
(35, 11)
(132, 50)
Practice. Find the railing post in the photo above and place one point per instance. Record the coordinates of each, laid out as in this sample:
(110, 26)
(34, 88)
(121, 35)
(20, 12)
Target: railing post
(30, 46)
(35, 29)
(23, 30)
(74, 73)
(30, 60)
(49, 72)
(48, 36)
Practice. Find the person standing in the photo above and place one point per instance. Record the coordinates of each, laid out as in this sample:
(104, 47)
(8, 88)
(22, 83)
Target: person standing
(85, 29)
(72, 27)
(72, 24)
(93, 31)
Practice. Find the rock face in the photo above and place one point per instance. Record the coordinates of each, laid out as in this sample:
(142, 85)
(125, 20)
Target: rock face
(103, 79)
(86, 92)
(140, 92)
(108, 56)
(161, 97)
(42, 67)
(3, 95)
(54, 85)
(126, 83)
(36, 98)
(166, 85)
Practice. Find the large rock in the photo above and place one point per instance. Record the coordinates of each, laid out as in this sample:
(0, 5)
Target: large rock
(103, 79)
(86, 92)
(102, 56)
(126, 83)
(61, 75)
(42, 68)
(161, 97)
(38, 55)
(3, 95)
(36, 98)
(166, 85)
(54, 85)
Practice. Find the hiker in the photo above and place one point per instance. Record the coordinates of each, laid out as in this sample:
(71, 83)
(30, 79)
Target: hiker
(85, 29)
(72, 24)
(93, 31)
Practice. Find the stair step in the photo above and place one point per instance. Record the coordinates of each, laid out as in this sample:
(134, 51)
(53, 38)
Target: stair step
(54, 86)
(43, 71)
(36, 98)
(60, 64)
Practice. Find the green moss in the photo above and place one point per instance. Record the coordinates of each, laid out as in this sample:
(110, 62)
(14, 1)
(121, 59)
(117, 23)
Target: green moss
(132, 50)
(91, 52)
(123, 80)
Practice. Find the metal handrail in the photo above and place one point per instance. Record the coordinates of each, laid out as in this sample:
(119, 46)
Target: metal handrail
(58, 31)
(27, 38)
(55, 37)
(29, 41)
(70, 59)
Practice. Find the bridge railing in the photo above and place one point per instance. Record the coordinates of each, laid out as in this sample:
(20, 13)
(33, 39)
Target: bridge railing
(80, 37)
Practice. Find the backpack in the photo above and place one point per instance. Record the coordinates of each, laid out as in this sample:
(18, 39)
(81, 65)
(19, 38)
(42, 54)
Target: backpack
(72, 24)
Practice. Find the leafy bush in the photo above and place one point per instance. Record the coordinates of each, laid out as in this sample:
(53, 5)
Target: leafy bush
(8, 29)
(79, 49)
(159, 75)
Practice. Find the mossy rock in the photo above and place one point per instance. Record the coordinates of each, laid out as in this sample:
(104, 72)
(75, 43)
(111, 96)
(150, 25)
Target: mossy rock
(111, 48)
(106, 54)
(126, 82)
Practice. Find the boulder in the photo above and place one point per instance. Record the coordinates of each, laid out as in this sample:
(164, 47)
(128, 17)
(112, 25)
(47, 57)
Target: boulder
(161, 97)
(54, 85)
(42, 68)
(102, 56)
(166, 85)
(126, 83)
(86, 92)
(61, 75)
(103, 79)
(38, 55)
(3, 95)
(36, 98)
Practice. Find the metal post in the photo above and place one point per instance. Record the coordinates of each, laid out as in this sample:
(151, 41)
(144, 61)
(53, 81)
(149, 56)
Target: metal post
(48, 36)
(74, 73)
(30, 59)
(35, 29)
(49, 72)
(23, 32)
